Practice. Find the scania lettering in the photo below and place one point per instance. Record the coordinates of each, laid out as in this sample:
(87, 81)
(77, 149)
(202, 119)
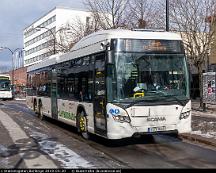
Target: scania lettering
(116, 84)
(157, 119)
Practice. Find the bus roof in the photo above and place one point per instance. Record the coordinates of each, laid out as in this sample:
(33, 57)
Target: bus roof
(4, 76)
(125, 34)
(92, 44)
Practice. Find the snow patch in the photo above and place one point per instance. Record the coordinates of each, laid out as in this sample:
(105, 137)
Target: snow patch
(205, 135)
(60, 152)
(20, 99)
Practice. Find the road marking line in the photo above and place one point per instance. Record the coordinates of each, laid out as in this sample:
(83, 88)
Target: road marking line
(16, 133)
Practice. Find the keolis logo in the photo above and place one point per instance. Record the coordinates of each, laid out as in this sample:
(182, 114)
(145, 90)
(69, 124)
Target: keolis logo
(156, 119)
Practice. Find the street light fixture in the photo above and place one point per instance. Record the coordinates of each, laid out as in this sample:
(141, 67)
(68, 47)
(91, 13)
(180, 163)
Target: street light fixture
(12, 52)
(54, 38)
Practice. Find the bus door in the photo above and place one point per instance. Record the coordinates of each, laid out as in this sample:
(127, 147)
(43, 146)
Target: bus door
(54, 105)
(100, 95)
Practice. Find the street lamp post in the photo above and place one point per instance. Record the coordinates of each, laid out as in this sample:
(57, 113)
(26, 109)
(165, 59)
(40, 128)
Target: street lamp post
(12, 60)
(167, 15)
(54, 38)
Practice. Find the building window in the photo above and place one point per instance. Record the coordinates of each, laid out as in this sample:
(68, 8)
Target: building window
(40, 37)
(44, 24)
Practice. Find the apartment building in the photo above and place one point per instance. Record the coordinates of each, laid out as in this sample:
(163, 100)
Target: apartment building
(40, 35)
(212, 58)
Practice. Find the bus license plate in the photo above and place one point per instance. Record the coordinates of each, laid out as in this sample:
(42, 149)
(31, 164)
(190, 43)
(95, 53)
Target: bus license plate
(156, 129)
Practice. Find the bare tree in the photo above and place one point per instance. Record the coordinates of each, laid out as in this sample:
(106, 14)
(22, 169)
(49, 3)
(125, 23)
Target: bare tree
(189, 18)
(65, 37)
(104, 15)
(58, 41)
(144, 14)
(78, 29)
(108, 13)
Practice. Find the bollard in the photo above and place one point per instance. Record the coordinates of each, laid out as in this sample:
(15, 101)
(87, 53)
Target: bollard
(204, 107)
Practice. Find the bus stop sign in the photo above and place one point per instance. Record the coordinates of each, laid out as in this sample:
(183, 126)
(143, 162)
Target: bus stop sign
(209, 92)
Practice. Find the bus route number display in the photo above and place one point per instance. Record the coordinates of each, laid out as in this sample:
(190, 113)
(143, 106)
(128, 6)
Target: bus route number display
(154, 45)
(145, 45)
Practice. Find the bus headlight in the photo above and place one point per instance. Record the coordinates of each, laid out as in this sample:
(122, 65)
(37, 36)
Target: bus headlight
(184, 115)
(120, 116)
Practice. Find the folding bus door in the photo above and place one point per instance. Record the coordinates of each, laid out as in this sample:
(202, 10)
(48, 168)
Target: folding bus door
(100, 95)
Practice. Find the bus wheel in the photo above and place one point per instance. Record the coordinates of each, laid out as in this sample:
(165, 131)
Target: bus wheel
(40, 113)
(82, 125)
(174, 134)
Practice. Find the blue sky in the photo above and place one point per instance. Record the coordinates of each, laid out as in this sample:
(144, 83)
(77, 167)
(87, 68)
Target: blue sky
(15, 15)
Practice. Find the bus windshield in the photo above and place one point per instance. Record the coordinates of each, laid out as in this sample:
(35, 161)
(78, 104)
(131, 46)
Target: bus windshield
(147, 76)
(5, 85)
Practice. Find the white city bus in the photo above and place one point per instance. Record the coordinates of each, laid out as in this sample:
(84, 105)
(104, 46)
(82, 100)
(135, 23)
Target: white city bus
(116, 84)
(5, 87)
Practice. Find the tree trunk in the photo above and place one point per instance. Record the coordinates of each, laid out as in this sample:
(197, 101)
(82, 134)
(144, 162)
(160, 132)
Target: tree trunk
(200, 71)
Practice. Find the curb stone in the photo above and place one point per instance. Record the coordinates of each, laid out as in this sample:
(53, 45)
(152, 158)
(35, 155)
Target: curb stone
(197, 138)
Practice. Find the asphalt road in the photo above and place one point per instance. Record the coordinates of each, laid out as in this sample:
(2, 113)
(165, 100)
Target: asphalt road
(62, 147)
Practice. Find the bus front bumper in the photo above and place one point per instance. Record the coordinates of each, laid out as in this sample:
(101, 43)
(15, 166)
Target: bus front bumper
(6, 95)
(125, 130)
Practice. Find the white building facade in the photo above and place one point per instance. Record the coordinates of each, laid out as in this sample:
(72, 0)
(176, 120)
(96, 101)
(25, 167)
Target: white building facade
(39, 35)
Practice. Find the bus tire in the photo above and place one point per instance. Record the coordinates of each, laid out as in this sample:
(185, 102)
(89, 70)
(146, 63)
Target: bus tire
(82, 124)
(174, 134)
(40, 112)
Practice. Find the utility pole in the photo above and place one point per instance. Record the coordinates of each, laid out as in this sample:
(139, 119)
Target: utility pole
(167, 15)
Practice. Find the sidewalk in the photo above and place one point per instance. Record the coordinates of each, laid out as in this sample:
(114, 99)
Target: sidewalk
(203, 124)
(18, 150)
(210, 108)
